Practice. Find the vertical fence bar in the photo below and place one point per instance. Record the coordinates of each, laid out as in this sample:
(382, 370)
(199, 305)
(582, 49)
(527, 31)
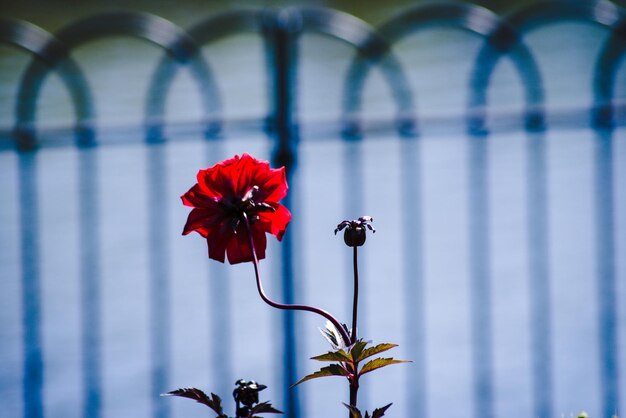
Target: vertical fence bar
(284, 55)
(89, 256)
(290, 371)
(159, 269)
(539, 276)
(412, 245)
(605, 82)
(221, 359)
(480, 277)
(32, 391)
(605, 264)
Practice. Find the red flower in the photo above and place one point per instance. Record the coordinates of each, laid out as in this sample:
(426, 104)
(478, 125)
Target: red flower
(227, 191)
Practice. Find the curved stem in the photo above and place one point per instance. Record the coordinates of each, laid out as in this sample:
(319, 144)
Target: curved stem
(354, 385)
(291, 307)
(355, 301)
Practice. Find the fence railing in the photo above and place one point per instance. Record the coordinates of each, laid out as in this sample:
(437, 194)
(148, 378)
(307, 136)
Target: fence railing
(503, 37)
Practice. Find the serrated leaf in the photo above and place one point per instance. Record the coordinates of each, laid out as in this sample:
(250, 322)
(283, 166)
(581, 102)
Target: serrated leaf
(379, 412)
(357, 349)
(215, 402)
(369, 352)
(378, 363)
(332, 370)
(264, 408)
(354, 411)
(333, 356)
(333, 336)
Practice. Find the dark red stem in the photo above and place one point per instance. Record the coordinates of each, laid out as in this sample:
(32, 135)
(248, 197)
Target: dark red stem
(354, 384)
(355, 301)
(289, 307)
(354, 389)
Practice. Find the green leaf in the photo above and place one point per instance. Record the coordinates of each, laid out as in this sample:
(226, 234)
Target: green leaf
(379, 412)
(333, 336)
(378, 363)
(357, 349)
(354, 411)
(332, 370)
(264, 408)
(333, 356)
(369, 352)
(215, 403)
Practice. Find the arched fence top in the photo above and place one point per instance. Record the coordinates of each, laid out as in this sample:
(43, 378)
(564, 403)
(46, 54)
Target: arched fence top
(222, 25)
(472, 18)
(344, 27)
(31, 38)
(49, 53)
(605, 74)
(498, 35)
(373, 46)
(154, 29)
(601, 12)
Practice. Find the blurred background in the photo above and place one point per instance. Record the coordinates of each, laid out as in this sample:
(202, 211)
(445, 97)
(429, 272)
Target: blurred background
(487, 140)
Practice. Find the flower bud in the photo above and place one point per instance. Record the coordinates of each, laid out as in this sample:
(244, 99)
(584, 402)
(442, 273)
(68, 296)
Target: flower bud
(247, 392)
(354, 237)
(354, 232)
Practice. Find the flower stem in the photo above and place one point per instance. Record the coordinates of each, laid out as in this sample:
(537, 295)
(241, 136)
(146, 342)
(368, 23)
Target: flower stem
(292, 307)
(355, 301)
(354, 385)
(354, 389)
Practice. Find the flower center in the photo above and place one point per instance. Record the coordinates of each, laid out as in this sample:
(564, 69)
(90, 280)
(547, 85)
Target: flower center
(246, 206)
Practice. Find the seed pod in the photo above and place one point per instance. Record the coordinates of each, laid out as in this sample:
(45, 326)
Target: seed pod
(355, 231)
(354, 237)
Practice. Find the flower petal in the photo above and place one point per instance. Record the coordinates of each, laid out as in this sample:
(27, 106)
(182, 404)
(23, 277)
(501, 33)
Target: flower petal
(195, 221)
(227, 175)
(246, 172)
(272, 185)
(217, 181)
(275, 222)
(238, 249)
(196, 198)
(217, 240)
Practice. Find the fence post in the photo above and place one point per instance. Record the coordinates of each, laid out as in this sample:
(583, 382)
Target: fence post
(283, 41)
(33, 377)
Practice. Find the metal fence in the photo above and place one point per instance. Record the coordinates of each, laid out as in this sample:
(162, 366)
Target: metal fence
(502, 37)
